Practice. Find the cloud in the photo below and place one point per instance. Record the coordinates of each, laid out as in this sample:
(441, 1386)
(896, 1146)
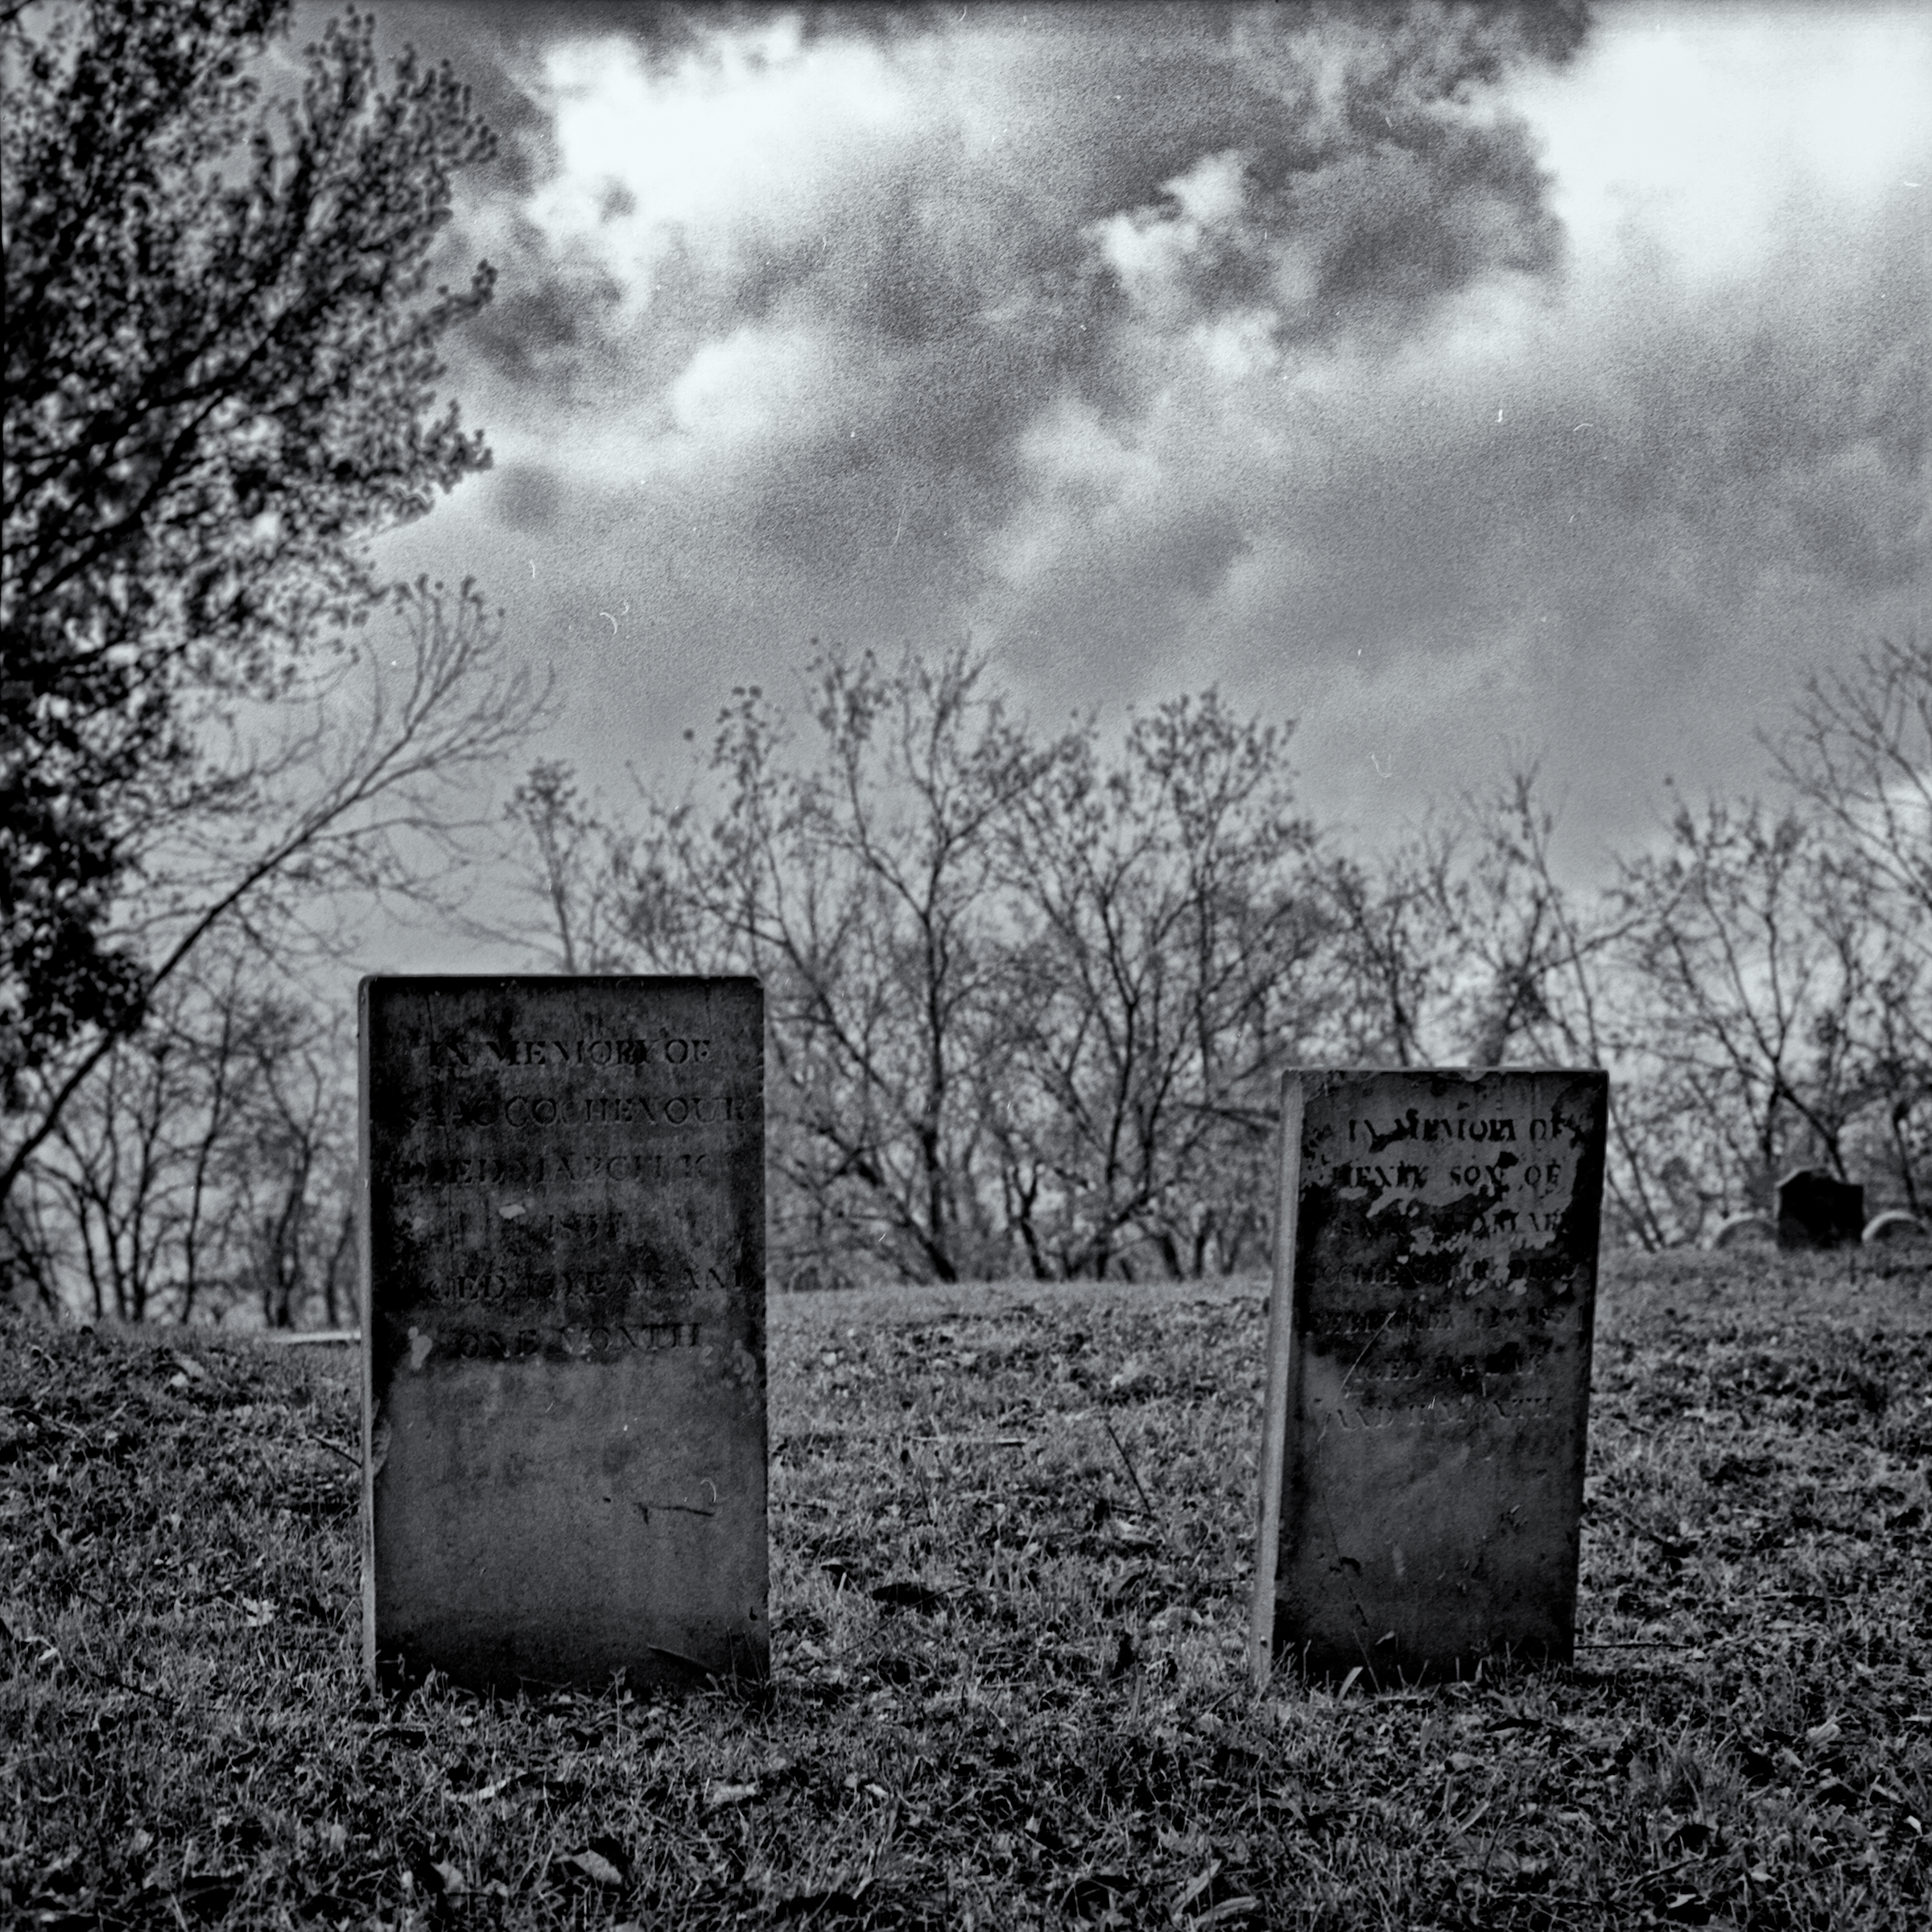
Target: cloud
(1389, 371)
(1633, 466)
(895, 257)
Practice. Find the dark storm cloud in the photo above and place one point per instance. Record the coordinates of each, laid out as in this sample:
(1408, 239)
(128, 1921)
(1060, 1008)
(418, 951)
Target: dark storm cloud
(1649, 475)
(978, 225)
(1155, 346)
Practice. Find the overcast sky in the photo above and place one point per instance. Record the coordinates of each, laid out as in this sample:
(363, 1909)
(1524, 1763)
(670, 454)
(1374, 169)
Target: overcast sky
(1578, 412)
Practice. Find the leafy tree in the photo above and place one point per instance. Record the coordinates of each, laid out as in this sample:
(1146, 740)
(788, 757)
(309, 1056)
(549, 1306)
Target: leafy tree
(220, 351)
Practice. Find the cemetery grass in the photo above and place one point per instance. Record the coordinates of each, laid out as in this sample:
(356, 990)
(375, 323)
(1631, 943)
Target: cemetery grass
(1011, 1533)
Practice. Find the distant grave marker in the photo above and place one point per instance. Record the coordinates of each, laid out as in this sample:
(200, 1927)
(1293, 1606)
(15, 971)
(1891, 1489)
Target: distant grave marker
(1895, 1227)
(1745, 1230)
(1428, 1376)
(1816, 1209)
(563, 1314)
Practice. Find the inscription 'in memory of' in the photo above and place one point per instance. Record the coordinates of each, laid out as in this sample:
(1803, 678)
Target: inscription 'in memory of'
(564, 1214)
(452, 1051)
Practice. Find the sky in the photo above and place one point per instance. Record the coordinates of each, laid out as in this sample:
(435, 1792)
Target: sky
(1461, 395)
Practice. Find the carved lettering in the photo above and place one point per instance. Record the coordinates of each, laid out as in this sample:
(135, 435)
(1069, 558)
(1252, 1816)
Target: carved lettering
(576, 1342)
(677, 1050)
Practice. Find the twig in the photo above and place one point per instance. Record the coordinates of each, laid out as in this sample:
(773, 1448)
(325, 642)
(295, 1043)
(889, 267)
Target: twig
(109, 1676)
(1644, 1878)
(1131, 1476)
(354, 1461)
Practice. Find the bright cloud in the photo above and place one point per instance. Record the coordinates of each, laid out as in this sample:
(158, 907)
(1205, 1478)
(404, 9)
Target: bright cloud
(1152, 352)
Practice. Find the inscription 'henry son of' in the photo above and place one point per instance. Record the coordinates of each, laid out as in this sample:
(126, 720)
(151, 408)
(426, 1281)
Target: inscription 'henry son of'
(1428, 1370)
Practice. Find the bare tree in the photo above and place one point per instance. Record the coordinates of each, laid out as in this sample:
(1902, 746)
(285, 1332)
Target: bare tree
(291, 1173)
(356, 788)
(859, 879)
(1859, 755)
(573, 877)
(1151, 995)
(1859, 758)
(130, 1203)
(1743, 948)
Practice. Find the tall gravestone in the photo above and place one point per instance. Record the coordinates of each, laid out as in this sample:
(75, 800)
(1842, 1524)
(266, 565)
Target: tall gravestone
(563, 1315)
(1428, 1370)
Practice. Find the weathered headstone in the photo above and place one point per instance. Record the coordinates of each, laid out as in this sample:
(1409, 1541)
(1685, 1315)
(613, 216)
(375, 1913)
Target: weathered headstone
(1896, 1228)
(1815, 1209)
(1429, 1369)
(1745, 1230)
(563, 1315)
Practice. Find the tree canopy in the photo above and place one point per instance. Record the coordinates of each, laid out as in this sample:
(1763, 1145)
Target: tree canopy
(221, 360)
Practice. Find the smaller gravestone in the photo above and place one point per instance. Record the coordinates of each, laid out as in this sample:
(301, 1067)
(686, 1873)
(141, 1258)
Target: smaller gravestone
(1745, 1230)
(1896, 1228)
(1815, 1210)
(1428, 1374)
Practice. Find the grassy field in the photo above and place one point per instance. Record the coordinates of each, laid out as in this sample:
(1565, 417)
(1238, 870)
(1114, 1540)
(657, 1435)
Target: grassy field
(1011, 1538)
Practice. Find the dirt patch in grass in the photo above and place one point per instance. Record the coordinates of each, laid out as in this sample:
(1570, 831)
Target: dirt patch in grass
(1011, 1537)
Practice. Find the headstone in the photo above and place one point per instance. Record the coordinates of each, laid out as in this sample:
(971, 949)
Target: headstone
(1896, 1228)
(1815, 1209)
(563, 1405)
(1745, 1230)
(1429, 1370)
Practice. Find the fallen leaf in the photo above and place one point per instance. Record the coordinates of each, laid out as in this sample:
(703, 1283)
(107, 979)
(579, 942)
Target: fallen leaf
(597, 1867)
(1227, 1911)
(495, 1789)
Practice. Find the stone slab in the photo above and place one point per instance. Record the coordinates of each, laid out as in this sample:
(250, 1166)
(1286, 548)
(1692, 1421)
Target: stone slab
(1816, 1209)
(1429, 1370)
(1895, 1227)
(1745, 1230)
(563, 1285)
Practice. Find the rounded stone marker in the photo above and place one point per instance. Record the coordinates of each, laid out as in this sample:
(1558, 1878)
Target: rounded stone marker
(1745, 1230)
(1896, 1228)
